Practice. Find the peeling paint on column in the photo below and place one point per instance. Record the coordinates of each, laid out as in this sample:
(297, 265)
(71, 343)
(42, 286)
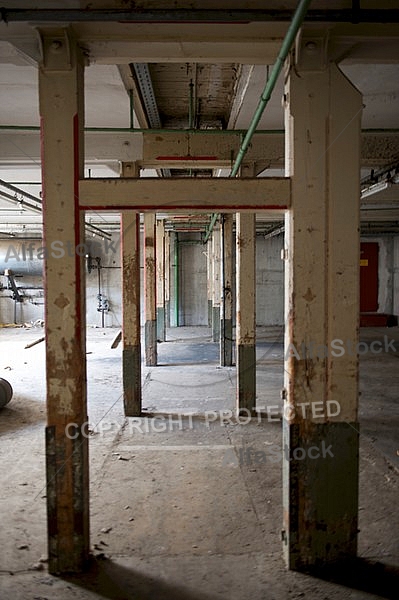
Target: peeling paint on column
(322, 239)
(245, 311)
(150, 327)
(61, 109)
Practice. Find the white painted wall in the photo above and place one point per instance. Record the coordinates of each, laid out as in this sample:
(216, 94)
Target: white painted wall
(269, 281)
(193, 282)
(193, 289)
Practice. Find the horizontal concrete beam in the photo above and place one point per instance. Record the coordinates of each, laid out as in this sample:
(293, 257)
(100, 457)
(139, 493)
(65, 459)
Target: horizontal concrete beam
(379, 148)
(179, 195)
(116, 42)
(198, 150)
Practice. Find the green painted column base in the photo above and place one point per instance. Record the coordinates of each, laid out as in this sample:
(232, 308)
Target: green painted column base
(150, 336)
(216, 323)
(160, 324)
(131, 369)
(67, 450)
(246, 378)
(226, 343)
(167, 313)
(209, 313)
(320, 493)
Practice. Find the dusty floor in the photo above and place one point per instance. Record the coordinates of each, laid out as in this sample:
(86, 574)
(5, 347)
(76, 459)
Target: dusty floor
(173, 514)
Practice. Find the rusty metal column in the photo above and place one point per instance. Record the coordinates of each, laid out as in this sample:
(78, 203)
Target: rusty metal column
(131, 353)
(61, 108)
(160, 262)
(216, 282)
(150, 291)
(226, 323)
(320, 429)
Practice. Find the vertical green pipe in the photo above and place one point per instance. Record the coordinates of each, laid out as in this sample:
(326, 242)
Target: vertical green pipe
(176, 278)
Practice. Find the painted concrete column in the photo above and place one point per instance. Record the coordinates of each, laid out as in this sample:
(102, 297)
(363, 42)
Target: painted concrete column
(150, 289)
(226, 322)
(160, 275)
(245, 310)
(62, 120)
(320, 429)
(131, 352)
(209, 270)
(216, 282)
(167, 279)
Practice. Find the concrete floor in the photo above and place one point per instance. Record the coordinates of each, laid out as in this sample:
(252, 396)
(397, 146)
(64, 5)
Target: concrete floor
(173, 514)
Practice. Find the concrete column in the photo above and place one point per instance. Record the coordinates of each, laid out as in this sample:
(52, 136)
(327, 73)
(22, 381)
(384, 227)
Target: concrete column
(226, 323)
(150, 290)
(167, 280)
(323, 115)
(246, 310)
(67, 472)
(209, 266)
(131, 353)
(216, 286)
(160, 275)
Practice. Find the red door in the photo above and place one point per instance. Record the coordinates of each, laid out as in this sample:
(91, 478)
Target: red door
(368, 277)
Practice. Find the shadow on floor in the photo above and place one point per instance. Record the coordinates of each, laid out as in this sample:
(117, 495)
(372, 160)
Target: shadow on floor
(21, 413)
(366, 576)
(115, 582)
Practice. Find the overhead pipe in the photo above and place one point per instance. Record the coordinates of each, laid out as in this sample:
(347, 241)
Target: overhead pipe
(170, 130)
(293, 29)
(23, 204)
(11, 187)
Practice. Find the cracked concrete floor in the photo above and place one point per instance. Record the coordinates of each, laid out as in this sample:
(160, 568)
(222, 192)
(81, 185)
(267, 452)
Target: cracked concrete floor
(173, 513)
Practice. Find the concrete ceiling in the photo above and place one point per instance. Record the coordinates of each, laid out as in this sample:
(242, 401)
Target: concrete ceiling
(224, 93)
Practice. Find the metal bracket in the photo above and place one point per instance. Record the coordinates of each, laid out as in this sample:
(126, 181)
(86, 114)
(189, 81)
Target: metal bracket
(311, 51)
(56, 48)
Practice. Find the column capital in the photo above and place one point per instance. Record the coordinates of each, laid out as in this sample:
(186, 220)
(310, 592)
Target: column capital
(311, 50)
(59, 50)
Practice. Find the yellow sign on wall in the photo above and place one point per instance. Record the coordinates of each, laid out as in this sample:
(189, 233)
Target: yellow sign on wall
(364, 262)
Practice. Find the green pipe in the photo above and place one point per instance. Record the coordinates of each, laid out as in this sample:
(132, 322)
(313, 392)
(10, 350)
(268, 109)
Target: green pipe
(210, 227)
(176, 278)
(293, 29)
(266, 95)
(158, 131)
(192, 131)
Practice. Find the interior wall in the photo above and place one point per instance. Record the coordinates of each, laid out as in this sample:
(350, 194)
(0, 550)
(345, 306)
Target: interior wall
(388, 272)
(192, 282)
(269, 281)
(193, 301)
(109, 252)
(31, 309)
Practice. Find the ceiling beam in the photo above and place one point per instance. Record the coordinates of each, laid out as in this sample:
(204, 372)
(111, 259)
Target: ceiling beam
(193, 15)
(165, 149)
(180, 195)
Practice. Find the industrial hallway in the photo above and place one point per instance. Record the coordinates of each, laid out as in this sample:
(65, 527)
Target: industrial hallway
(174, 515)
